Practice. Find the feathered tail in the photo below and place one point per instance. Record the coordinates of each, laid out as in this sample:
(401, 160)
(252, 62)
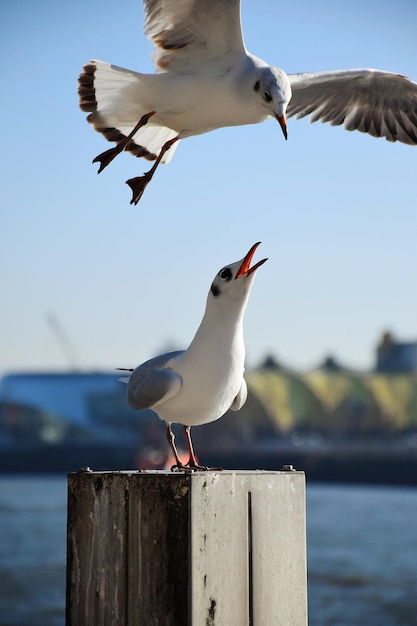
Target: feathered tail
(116, 100)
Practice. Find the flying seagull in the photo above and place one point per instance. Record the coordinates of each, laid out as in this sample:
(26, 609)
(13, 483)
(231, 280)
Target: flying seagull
(206, 79)
(198, 385)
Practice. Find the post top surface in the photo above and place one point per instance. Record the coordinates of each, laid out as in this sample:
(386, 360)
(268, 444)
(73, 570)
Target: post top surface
(163, 472)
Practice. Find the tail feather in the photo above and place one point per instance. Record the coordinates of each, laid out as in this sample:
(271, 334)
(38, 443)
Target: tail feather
(113, 97)
(124, 369)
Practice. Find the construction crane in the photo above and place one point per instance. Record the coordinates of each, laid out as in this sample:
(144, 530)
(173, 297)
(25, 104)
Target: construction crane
(62, 339)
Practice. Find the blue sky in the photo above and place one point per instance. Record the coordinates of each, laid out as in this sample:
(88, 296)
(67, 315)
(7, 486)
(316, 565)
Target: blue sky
(335, 211)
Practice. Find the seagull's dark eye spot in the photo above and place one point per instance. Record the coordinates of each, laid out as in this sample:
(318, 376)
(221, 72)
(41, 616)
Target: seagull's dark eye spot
(215, 290)
(226, 273)
(267, 96)
(256, 86)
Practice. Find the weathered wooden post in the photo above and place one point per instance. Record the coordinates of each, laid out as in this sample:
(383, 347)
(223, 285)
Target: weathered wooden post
(186, 549)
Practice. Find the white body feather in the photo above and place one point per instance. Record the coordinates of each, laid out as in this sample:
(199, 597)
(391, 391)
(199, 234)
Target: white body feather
(200, 384)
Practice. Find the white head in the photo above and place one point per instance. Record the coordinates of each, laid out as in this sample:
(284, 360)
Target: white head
(231, 287)
(274, 90)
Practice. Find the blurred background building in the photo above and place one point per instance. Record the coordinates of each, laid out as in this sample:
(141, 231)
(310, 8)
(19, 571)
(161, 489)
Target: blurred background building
(59, 422)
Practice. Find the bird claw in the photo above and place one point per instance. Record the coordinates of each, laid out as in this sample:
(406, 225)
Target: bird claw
(181, 468)
(106, 157)
(194, 467)
(138, 186)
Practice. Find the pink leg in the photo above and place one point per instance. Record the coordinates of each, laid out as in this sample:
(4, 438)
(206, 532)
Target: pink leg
(192, 461)
(171, 441)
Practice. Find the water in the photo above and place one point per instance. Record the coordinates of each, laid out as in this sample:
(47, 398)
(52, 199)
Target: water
(362, 556)
(362, 553)
(32, 551)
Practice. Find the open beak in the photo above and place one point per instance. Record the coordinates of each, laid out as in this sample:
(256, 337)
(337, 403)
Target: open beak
(283, 124)
(245, 268)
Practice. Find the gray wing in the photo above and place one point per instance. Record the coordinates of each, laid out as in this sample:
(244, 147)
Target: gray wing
(240, 399)
(371, 101)
(189, 33)
(154, 382)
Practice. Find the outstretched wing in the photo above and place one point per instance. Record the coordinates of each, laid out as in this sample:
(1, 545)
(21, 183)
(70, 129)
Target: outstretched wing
(188, 33)
(379, 103)
(154, 382)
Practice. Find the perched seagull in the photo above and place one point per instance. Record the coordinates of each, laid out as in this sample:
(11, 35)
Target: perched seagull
(206, 79)
(198, 385)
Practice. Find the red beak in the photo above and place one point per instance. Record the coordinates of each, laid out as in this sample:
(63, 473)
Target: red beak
(245, 268)
(283, 124)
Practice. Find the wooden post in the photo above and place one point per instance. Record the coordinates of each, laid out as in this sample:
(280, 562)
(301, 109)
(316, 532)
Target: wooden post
(158, 548)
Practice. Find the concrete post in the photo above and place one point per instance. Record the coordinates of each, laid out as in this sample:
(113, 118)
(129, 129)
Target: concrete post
(186, 549)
